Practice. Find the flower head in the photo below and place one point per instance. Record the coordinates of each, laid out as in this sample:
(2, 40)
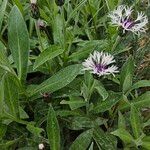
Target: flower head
(100, 63)
(122, 17)
(41, 146)
(33, 1)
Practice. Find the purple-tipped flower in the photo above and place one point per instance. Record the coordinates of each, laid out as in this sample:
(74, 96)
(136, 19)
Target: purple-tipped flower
(100, 63)
(122, 17)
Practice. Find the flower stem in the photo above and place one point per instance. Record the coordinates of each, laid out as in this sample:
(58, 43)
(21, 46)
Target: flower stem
(116, 43)
(94, 23)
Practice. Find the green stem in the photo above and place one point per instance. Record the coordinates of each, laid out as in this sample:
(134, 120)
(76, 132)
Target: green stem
(41, 44)
(92, 18)
(116, 43)
(87, 107)
(39, 35)
(107, 5)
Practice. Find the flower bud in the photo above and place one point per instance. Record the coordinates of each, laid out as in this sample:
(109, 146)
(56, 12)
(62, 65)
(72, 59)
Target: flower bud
(41, 146)
(59, 2)
(35, 13)
(41, 24)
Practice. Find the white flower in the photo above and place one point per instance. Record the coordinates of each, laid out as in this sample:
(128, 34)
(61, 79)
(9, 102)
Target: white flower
(100, 63)
(33, 1)
(122, 16)
(41, 146)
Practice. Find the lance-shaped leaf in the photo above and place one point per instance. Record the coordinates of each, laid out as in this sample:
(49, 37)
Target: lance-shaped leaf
(103, 140)
(135, 122)
(141, 83)
(82, 141)
(127, 74)
(1, 99)
(4, 62)
(107, 104)
(47, 54)
(53, 130)
(139, 102)
(121, 121)
(101, 90)
(18, 40)
(11, 95)
(124, 135)
(2, 10)
(57, 81)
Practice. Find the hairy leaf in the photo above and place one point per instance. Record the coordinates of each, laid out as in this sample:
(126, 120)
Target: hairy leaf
(18, 40)
(135, 121)
(127, 74)
(124, 135)
(57, 81)
(2, 10)
(104, 141)
(107, 104)
(82, 141)
(46, 55)
(11, 95)
(53, 130)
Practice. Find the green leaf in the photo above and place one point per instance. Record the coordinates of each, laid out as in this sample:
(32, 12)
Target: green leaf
(146, 145)
(47, 54)
(143, 100)
(139, 102)
(66, 113)
(8, 144)
(88, 79)
(76, 10)
(104, 141)
(27, 148)
(124, 135)
(135, 122)
(101, 90)
(87, 48)
(58, 29)
(91, 146)
(53, 130)
(34, 130)
(2, 10)
(83, 141)
(107, 104)
(11, 95)
(1, 98)
(141, 83)
(23, 114)
(147, 123)
(19, 5)
(81, 122)
(121, 121)
(3, 129)
(4, 62)
(74, 102)
(57, 81)
(127, 74)
(18, 40)
(146, 142)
